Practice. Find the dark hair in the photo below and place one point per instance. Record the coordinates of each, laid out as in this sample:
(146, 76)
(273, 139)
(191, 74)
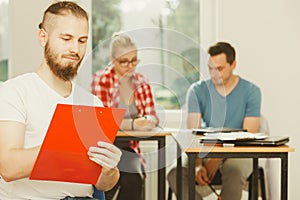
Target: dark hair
(223, 47)
(64, 8)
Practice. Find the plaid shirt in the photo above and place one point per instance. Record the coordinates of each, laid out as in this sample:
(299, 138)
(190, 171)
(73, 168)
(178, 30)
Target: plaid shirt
(105, 85)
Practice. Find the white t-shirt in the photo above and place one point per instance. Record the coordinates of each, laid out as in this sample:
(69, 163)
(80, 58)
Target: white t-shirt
(29, 100)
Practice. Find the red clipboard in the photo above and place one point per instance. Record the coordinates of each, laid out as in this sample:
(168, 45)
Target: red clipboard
(72, 130)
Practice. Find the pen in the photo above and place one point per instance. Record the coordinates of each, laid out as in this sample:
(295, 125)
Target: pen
(159, 126)
(213, 189)
(148, 117)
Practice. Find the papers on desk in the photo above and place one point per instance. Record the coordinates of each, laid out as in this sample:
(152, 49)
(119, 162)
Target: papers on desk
(233, 136)
(202, 131)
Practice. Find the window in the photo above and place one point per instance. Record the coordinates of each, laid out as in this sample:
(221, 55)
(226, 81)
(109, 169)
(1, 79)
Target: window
(166, 33)
(4, 40)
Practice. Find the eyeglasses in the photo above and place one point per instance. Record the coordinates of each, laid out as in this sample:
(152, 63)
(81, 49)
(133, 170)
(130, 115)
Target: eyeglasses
(126, 62)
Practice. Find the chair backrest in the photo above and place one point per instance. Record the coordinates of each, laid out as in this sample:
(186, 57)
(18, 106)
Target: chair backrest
(98, 194)
(264, 125)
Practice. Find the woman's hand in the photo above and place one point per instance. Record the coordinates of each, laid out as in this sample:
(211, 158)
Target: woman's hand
(145, 123)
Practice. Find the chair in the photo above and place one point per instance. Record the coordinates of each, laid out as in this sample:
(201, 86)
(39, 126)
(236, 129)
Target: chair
(217, 181)
(261, 178)
(98, 194)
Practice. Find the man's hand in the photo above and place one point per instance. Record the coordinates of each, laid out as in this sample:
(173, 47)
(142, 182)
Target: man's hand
(108, 156)
(212, 166)
(201, 176)
(105, 154)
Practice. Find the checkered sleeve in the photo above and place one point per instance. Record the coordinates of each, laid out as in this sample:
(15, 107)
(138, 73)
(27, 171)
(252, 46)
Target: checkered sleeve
(144, 97)
(100, 87)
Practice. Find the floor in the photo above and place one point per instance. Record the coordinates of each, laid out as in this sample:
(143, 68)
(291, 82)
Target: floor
(213, 196)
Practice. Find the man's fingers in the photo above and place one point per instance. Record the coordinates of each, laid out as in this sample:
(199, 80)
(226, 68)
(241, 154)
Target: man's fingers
(104, 161)
(106, 154)
(108, 146)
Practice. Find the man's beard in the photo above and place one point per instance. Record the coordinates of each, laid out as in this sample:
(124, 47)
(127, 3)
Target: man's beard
(65, 72)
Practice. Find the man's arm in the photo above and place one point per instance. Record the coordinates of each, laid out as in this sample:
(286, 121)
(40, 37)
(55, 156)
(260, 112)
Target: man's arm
(194, 120)
(251, 124)
(108, 179)
(252, 120)
(16, 162)
(206, 173)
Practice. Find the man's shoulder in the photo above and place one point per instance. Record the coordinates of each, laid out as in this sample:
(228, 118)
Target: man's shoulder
(20, 81)
(22, 77)
(202, 84)
(248, 84)
(20, 88)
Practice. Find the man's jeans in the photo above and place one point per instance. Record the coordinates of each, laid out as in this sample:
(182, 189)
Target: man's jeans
(78, 198)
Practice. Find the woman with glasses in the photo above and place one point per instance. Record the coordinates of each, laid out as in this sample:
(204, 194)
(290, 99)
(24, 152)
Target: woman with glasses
(119, 86)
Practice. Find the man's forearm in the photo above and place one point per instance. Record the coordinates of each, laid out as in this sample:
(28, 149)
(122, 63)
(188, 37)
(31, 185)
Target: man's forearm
(18, 163)
(198, 162)
(108, 179)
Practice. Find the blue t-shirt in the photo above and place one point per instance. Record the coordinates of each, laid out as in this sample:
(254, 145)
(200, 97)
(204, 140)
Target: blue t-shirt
(224, 111)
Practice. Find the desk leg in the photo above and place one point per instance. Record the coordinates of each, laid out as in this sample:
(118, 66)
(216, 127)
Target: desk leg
(254, 191)
(179, 174)
(191, 169)
(284, 176)
(162, 168)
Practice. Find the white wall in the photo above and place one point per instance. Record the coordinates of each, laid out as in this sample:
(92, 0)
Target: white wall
(266, 36)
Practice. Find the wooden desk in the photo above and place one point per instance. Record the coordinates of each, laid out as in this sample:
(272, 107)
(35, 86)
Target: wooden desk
(160, 137)
(190, 144)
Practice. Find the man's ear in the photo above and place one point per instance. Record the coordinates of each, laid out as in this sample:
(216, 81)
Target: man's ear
(233, 65)
(43, 37)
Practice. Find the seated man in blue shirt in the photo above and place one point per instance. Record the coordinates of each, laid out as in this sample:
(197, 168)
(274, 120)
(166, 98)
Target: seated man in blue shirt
(225, 100)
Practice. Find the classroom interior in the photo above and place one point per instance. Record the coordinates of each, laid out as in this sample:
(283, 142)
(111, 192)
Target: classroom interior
(265, 35)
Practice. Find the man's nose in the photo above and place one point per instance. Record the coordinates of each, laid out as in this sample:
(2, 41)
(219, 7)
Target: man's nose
(74, 47)
(214, 72)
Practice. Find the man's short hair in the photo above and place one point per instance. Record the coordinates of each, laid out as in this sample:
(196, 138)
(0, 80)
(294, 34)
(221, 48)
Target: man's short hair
(64, 8)
(223, 47)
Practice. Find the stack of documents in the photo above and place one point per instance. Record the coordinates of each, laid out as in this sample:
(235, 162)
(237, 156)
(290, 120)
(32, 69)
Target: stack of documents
(233, 136)
(201, 131)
